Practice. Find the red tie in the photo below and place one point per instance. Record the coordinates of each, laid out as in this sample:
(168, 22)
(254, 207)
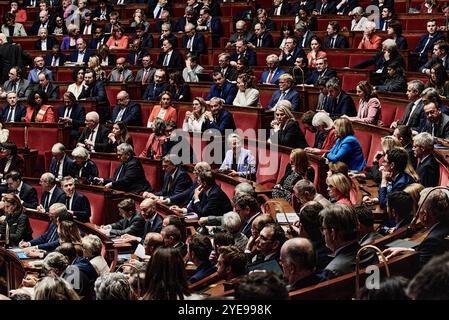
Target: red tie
(270, 76)
(145, 76)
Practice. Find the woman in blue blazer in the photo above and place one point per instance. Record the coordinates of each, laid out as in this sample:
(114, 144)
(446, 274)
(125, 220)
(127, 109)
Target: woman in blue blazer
(347, 148)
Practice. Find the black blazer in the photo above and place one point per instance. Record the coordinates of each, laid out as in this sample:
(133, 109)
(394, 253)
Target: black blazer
(435, 243)
(52, 91)
(132, 115)
(171, 37)
(290, 136)
(132, 177)
(198, 45)
(28, 195)
(133, 226)
(176, 62)
(17, 164)
(50, 43)
(344, 105)
(180, 183)
(285, 9)
(98, 94)
(19, 113)
(66, 166)
(101, 140)
(140, 54)
(267, 40)
(19, 229)
(152, 93)
(49, 59)
(156, 226)
(230, 74)
(429, 172)
(183, 94)
(80, 206)
(417, 117)
(57, 197)
(340, 42)
(215, 202)
(89, 171)
(78, 115)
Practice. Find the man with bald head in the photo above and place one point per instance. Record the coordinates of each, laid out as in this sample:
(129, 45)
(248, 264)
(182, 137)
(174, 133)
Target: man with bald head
(298, 263)
(95, 135)
(82, 54)
(193, 41)
(126, 110)
(121, 73)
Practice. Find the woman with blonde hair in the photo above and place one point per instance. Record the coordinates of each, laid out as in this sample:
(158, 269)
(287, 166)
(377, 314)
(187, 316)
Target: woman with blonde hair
(340, 167)
(16, 223)
(54, 288)
(347, 148)
(69, 41)
(94, 64)
(298, 169)
(339, 187)
(286, 131)
(414, 190)
(193, 121)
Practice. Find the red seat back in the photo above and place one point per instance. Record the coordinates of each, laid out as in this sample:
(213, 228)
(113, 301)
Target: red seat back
(39, 226)
(154, 175)
(388, 113)
(365, 141)
(97, 206)
(104, 167)
(139, 141)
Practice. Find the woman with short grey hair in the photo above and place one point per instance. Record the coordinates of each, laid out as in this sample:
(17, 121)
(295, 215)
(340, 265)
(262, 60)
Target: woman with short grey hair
(83, 169)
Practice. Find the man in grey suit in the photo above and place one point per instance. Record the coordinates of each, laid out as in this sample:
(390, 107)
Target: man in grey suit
(146, 74)
(121, 73)
(16, 84)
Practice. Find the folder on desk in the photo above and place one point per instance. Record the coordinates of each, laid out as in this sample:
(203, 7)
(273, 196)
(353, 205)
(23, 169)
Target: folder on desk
(402, 243)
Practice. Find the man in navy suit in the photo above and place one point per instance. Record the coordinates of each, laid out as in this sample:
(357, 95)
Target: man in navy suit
(218, 118)
(155, 89)
(50, 192)
(98, 39)
(426, 42)
(77, 204)
(127, 111)
(222, 88)
(61, 164)
(333, 39)
(72, 114)
(44, 22)
(208, 198)
(137, 53)
(224, 65)
(94, 90)
(200, 248)
(193, 41)
(241, 50)
(286, 92)
(272, 74)
(325, 7)
(212, 24)
(321, 71)
(44, 43)
(261, 38)
(440, 55)
(146, 38)
(129, 175)
(176, 180)
(190, 16)
(48, 241)
(81, 55)
(87, 27)
(13, 111)
(279, 8)
(169, 58)
(428, 168)
(303, 34)
(26, 193)
(339, 103)
(290, 52)
(47, 86)
(55, 58)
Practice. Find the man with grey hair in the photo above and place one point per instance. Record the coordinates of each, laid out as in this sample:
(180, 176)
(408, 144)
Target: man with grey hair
(60, 165)
(48, 241)
(92, 246)
(305, 191)
(232, 223)
(440, 55)
(95, 135)
(113, 286)
(50, 192)
(39, 66)
(414, 113)
(298, 261)
(428, 168)
(78, 205)
(286, 91)
(55, 263)
(339, 102)
(13, 111)
(16, 84)
(434, 215)
(218, 118)
(273, 72)
(129, 176)
(126, 111)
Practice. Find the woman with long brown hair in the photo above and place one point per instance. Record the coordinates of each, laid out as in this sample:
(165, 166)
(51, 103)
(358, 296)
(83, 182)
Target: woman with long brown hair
(119, 135)
(69, 233)
(16, 226)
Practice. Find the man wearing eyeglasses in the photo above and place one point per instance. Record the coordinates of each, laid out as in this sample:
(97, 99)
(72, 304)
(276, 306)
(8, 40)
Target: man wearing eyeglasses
(269, 243)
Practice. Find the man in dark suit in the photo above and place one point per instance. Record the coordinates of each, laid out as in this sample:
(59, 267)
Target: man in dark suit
(200, 248)
(47, 86)
(43, 22)
(166, 34)
(172, 238)
(440, 55)
(44, 43)
(13, 112)
(77, 204)
(290, 52)
(16, 84)
(339, 226)
(218, 118)
(154, 90)
(165, 18)
(132, 223)
(208, 198)
(176, 180)
(333, 38)
(94, 90)
(222, 88)
(190, 16)
(405, 136)
(309, 4)
(433, 215)
(207, 22)
(60, 164)
(146, 74)
(126, 110)
(298, 263)
(224, 65)
(273, 72)
(146, 39)
(414, 112)
(26, 193)
(98, 39)
(322, 70)
(339, 103)
(286, 92)
(428, 168)
(279, 8)
(437, 123)
(129, 175)
(82, 54)
(399, 209)
(303, 34)
(156, 7)
(426, 42)
(72, 114)
(268, 244)
(137, 53)
(325, 7)
(87, 27)
(193, 41)
(94, 135)
(51, 194)
(169, 58)
(261, 38)
(241, 50)
(55, 58)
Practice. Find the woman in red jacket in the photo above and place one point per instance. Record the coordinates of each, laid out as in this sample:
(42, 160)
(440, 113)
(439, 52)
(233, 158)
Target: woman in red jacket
(38, 110)
(164, 110)
(326, 135)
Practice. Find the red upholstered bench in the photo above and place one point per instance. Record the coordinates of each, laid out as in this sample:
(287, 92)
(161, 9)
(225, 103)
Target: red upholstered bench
(351, 80)
(356, 58)
(245, 120)
(17, 135)
(375, 146)
(39, 226)
(226, 187)
(154, 174)
(97, 207)
(444, 176)
(104, 167)
(389, 111)
(336, 59)
(111, 92)
(139, 140)
(365, 141)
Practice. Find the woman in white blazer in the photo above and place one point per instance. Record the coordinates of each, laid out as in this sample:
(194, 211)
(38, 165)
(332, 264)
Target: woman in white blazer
(247, 95)
(9, 20)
